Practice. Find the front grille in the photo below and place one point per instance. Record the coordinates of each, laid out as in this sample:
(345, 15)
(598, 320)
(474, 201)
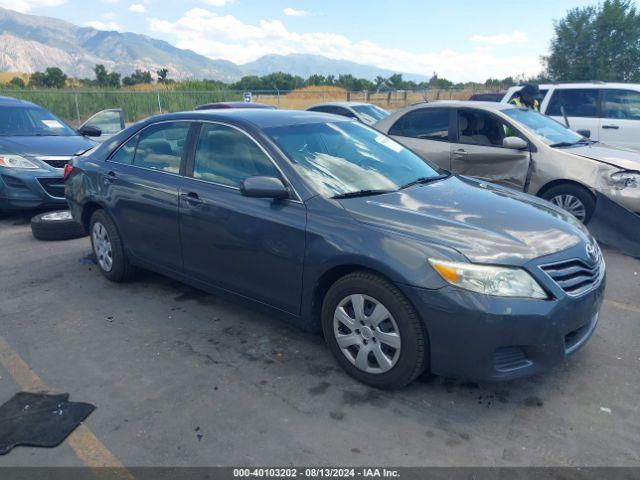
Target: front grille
(575, 276)
(55, 162)
(506, 359)
(53, 186)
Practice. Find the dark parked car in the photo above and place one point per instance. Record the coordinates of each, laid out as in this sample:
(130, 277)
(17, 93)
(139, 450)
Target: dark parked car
(338, 227)
(366, 113)
(487, 97)
(227, 105)
(35, 146)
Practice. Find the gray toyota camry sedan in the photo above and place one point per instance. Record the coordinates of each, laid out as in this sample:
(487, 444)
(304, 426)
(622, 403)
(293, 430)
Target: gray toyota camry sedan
(338, 228)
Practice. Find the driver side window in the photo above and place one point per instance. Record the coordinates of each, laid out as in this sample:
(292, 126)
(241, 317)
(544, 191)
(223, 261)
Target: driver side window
(481, 128)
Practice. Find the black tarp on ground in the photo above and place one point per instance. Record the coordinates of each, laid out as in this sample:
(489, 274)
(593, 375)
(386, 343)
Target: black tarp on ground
(615, 226)
(39, 420)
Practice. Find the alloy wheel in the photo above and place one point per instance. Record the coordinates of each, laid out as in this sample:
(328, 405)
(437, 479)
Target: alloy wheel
(367, 333)
(571, 204)
(102, 246)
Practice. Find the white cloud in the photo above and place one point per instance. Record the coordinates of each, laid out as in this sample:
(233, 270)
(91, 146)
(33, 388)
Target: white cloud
(226, 37)
(218, 3)
(99, 25)
(24, 6)
(501, 38)
(137, 8)
(292, 12)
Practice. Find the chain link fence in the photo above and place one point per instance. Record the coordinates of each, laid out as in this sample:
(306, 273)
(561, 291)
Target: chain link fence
(76, 107)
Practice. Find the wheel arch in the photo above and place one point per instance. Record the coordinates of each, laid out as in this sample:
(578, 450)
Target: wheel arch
(554, 183)
(88, 210)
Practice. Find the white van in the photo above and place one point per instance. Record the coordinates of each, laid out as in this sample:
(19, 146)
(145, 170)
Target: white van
(610, 112)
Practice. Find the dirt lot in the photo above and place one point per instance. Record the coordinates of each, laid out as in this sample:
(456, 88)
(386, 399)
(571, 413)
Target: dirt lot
(184, 378)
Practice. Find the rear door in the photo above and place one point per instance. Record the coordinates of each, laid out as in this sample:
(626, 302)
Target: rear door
(426, 131)
(251, 246)
(141, 181)
(620, 118)
(581, 105)
(477, 150)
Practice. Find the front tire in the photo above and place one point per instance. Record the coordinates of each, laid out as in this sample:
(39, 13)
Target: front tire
(574, 199)
(373, 331)
(108, 249)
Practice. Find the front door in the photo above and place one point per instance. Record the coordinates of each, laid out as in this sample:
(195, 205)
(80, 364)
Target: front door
(580, 106)
(251, 246)
(478, 150)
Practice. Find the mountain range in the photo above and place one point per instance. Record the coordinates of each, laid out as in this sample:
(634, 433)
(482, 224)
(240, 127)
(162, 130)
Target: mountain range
(30, 43)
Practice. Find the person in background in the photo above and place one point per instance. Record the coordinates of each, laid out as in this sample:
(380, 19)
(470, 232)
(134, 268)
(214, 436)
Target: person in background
(527, 97)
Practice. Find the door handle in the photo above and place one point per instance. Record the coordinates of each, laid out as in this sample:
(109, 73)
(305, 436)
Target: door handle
(191, 198)
(461, 152)
(110, 177)
(611, 127)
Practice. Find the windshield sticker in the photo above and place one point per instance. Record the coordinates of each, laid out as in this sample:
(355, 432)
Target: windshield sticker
(52, 123)
(390, 144)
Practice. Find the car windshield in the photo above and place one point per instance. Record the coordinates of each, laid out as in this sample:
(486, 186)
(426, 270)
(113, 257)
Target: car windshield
(32, 122)
(549, 131)
(341, 158)
(373, 112)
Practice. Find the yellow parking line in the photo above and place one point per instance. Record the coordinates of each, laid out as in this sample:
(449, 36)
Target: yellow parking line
(84, 443)
(622, 306)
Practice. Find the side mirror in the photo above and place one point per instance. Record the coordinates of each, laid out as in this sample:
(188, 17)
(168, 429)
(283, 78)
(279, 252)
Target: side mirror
(515, 143)
(584, 133)
(89, 131)
(263, 187)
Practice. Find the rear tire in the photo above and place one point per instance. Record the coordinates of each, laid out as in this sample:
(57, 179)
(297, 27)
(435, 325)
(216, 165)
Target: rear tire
(108, 248)
(58, 225)
(574, 199)
(381, 341)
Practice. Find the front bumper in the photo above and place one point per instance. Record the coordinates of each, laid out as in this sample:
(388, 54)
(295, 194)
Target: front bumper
(28, 189)
(627, 197)
(479, 337)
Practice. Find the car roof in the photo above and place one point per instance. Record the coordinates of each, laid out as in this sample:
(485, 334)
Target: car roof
(462, 104)
(593, 84)
(15, 102)
(339, 104)
(253, 117)
(222, 105)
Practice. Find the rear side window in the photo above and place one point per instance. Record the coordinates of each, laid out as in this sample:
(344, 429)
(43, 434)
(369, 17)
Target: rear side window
(577, 102)
(160, 146)
(126, 152)
(425, 123)
(227, 156)
(621, 104)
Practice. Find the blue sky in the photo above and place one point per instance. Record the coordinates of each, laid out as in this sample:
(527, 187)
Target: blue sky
(460, 40)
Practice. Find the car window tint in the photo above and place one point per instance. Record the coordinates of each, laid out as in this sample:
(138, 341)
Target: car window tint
(425, 123)
(476, 127)
(577, 102)
(160, 146)
(344, 112)
(227, 156)
(622, 104)
(126, 152)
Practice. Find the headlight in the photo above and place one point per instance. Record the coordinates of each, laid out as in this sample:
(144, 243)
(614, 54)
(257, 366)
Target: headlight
(490, 280)
(625, 179)
(16, 161)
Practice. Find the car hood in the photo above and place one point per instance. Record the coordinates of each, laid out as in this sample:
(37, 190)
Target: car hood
(37, 146)
(618, 157)
(484, 222)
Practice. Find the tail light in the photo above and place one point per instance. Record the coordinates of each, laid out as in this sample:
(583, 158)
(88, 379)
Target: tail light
(68, 168)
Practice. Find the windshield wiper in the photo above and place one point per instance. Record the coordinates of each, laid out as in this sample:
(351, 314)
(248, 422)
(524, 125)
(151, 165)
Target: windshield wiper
(564, 144)
(423, 180)
(361, 193)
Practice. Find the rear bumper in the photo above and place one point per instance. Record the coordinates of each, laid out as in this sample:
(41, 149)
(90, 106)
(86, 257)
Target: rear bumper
(479, 337)
(28, 189)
